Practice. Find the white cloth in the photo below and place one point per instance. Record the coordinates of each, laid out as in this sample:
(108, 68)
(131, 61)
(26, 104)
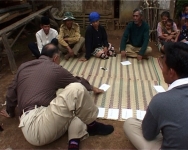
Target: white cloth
(178, 83)
(43, 39)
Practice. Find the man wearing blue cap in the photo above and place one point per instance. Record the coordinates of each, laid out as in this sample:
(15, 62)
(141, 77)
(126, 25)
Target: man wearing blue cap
(44, 36)
(69, 36)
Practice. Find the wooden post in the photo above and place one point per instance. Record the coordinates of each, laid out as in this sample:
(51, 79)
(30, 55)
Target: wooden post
(9, 52)
(172, 7)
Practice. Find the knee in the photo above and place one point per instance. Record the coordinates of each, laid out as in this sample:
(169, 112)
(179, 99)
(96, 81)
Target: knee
(82, 39)
(54, 41)
(75, 86)
(31, 45)
(127, 125)
(149, 49)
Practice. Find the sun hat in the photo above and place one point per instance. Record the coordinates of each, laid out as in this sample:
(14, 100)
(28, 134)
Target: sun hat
(94, 16)
(68, 16)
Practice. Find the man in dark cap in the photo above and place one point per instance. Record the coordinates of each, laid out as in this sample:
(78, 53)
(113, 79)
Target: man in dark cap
(69, 36)
(43, 36)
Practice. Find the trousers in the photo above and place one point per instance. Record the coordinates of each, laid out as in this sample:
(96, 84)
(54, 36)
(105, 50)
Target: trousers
(133, 131)
(70, 111)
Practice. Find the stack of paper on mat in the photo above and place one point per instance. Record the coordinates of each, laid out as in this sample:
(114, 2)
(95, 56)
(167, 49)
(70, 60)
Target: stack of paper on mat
(131, 85)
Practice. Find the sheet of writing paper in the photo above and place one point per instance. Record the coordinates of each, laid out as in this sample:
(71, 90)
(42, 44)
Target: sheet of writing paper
(125, 63)
(104, 87)
(140, 114)
(101, 112)
(159, 88)
(126, 113)
(113, 113)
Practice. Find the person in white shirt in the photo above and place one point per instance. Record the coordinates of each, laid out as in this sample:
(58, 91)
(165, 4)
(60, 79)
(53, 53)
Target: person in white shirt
(44, 36)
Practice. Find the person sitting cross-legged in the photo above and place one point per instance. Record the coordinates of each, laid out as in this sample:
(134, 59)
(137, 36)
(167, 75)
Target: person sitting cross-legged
(44, 36)
(134, 42)
(165, 123)
(70, 40)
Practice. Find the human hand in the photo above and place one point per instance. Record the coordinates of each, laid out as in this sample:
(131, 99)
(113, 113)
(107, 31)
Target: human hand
(66, 40)
(71, 52)
(4, 113)
(139, 57)
(105, 50)
(83, 59)
(97, 90)
(169, 38)
(123, 54)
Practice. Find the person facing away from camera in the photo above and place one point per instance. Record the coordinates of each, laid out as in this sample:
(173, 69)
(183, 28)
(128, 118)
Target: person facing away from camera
(165, 123)
(45, 116)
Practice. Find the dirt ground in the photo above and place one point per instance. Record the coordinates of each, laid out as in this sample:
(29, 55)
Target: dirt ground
(12, 136)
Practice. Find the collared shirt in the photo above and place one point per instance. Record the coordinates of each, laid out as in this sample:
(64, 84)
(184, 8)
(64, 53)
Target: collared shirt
(36, 83)
(73, 35)
(178, 83)
(43, 39)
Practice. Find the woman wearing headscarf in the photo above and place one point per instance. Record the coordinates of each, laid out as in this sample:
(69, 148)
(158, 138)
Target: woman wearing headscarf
(96, 42)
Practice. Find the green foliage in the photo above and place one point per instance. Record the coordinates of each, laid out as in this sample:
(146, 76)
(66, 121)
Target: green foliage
(179, 7)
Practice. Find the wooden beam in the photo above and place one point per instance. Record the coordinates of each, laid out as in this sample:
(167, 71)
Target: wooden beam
(18, 35)
(9, 53)
(24, 20)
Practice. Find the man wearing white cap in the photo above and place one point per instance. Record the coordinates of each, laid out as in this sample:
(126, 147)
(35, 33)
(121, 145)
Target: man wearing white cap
(69, 36)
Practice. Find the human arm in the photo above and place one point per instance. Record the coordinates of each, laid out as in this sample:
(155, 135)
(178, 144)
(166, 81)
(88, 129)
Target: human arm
(159, 32)
(125, 37)
(11, 98)
(61, 37)
(39, 42)
(145, 41)
(88, 42)
(149, 126)
(65, 78)
(104, 40)
(75, 34)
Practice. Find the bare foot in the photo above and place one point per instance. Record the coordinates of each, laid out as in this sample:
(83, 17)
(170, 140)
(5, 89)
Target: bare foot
(97, 90)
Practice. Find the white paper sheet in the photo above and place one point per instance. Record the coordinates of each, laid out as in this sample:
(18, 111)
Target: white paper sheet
(101, 112)
(113, 113)
(140, 114)
(159, 88)
(104, 87)
(126, 113)
(126, 63)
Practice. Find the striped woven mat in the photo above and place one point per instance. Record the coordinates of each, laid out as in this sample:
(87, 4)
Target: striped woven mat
(131, 87)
